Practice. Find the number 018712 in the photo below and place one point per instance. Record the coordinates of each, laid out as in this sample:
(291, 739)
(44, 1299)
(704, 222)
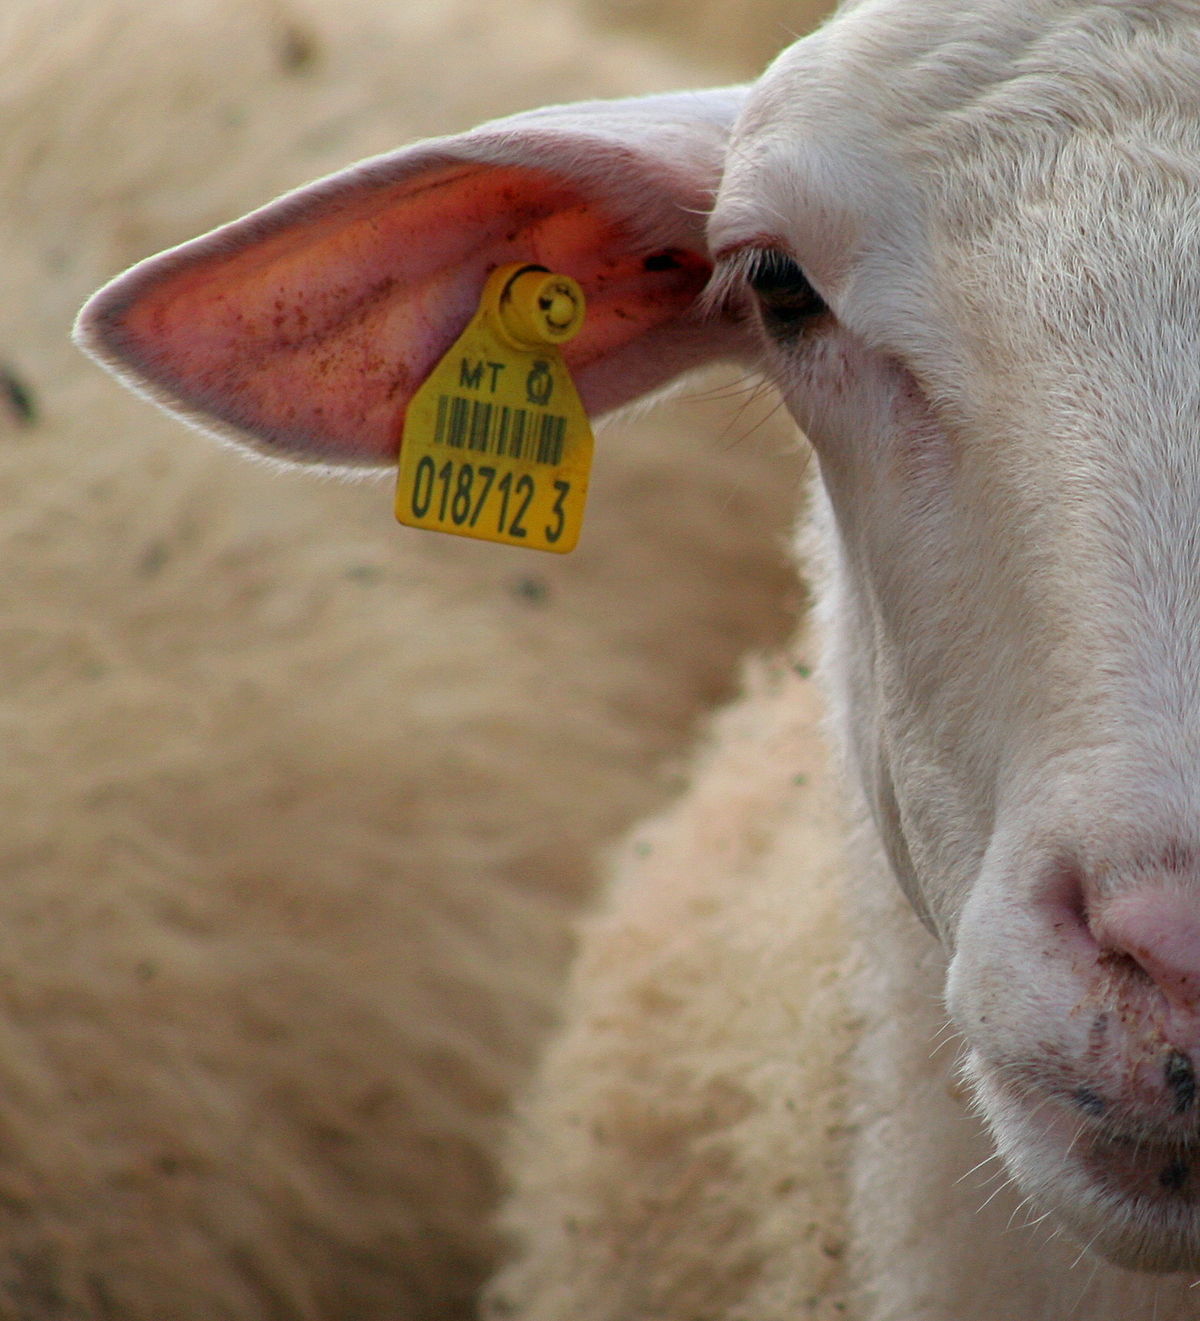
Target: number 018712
(483, 500)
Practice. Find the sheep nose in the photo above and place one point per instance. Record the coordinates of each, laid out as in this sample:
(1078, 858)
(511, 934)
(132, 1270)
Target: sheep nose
(1159, 930)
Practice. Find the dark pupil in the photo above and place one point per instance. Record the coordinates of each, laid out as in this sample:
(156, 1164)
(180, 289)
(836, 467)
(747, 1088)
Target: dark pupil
(783, 289)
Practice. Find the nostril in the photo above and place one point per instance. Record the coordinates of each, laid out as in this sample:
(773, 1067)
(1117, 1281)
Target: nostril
(1157, 932)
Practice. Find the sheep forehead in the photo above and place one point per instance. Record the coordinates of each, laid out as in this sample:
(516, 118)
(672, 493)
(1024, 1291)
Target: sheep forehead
(990, 173)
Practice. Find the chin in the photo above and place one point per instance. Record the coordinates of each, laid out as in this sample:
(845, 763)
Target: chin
(1124, 1191)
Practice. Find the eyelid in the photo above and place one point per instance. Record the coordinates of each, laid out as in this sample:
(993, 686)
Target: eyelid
(728, 286)
(736, 265)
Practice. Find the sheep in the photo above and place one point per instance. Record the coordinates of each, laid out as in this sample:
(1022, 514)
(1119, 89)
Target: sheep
(288, 865)
(961, 241)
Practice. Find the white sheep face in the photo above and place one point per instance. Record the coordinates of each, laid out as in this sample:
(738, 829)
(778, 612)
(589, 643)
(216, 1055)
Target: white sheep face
(1000, 209)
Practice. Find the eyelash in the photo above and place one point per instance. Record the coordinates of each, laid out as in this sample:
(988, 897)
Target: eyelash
(787, 301)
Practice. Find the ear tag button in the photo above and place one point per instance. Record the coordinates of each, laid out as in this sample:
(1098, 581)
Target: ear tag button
(496, 442)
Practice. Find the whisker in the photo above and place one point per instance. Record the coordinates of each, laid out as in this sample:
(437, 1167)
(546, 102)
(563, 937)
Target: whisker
(939, 1046)
(1079, 1132)
(1087, 1288)
(1084, 1251)
(987, 1160)
(1022, 1205)
(947, 1027)
(749, 384)
(1006, 1184)
(739, 416)
(1038, 1220)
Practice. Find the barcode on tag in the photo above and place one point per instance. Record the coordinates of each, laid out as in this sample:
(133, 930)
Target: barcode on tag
(488, 428)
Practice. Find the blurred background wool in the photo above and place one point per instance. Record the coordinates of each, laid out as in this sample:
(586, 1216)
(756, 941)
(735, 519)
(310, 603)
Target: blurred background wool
(296, 807)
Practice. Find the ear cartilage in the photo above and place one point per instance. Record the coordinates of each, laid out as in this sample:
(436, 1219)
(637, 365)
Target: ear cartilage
(496, 443)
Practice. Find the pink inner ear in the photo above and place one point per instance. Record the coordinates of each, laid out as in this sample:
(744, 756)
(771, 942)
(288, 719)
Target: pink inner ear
(306, 328)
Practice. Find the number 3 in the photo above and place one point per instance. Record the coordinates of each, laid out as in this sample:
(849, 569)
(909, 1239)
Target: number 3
(553, 534)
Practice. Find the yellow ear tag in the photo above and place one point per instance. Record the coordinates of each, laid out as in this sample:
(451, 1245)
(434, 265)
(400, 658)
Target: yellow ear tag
(496, 442)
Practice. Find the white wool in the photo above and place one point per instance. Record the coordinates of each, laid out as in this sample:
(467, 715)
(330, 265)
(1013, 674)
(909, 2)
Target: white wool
(683, 1154)
(297, 804)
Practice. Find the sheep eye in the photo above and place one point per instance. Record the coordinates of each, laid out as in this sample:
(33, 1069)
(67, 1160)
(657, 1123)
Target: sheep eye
(785, 297)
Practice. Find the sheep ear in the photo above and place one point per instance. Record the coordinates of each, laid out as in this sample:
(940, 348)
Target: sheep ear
(304, 329)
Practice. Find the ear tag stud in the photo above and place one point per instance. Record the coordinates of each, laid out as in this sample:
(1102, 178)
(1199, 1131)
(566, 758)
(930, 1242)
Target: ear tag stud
(496, 442)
